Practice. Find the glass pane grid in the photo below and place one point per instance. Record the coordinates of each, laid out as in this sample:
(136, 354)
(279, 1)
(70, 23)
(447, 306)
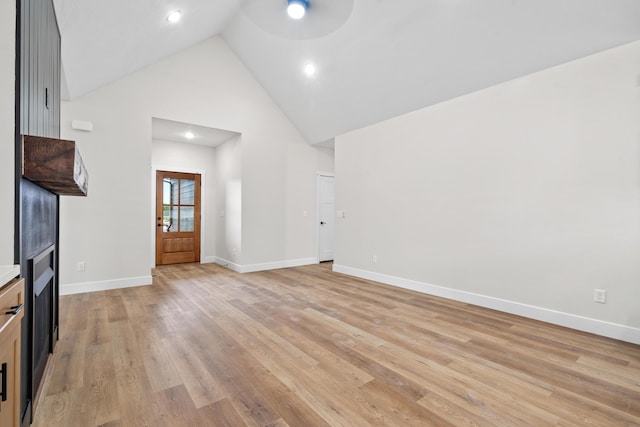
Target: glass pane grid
(178, 199)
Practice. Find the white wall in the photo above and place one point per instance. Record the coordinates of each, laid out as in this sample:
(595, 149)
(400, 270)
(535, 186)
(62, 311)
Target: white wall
(205, 85)
(191, 158)
(523, 196)
(278, 185)
(229, 201)
(7, 126)
(301, 186)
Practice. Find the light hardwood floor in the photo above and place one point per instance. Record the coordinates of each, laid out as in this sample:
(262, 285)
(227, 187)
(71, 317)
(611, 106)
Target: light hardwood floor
(308, 347)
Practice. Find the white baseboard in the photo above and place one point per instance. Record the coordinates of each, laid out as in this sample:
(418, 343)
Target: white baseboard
(252, 268)
(208, 260)
(78, 288)
(585, 324)
(230, 265)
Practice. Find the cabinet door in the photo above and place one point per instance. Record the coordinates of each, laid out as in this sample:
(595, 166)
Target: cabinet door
(40, 69)
(10, 362)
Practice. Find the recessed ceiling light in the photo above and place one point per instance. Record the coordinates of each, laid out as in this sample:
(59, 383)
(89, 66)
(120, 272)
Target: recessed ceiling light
(174, 16)
(310, 70)
(297, 8)
(189, 135)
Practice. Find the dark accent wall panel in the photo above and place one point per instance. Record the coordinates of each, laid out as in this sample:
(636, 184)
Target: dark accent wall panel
(38, 72)
(38, 231)
(39, 219)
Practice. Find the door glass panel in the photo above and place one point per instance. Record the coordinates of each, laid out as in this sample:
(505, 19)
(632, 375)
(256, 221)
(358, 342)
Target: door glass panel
(170, 191)
(175, 191)
(175, 194)
(187, 191)
(170, 219)
(186, 218)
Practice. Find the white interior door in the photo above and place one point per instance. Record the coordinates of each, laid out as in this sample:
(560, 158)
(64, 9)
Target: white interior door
(325, 217)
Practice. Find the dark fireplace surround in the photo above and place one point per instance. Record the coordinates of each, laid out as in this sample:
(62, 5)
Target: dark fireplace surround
(39, 235)
(50, 168)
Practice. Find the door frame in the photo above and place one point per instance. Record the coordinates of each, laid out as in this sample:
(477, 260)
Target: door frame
(152, 216)
(318, 177)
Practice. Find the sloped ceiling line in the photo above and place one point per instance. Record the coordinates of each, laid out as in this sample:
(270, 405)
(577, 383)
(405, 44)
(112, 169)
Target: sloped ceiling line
(384, 60)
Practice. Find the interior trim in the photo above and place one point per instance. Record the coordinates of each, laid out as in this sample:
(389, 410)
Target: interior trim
(78, 288)
(252, 268)
(585, 324)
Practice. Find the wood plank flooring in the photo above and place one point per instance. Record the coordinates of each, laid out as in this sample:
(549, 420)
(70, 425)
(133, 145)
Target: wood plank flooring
(308, 347)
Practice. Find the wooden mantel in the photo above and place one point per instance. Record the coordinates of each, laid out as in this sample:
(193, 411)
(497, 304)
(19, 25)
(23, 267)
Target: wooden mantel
(54, 164)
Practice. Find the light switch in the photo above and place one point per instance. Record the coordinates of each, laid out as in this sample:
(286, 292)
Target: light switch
(339, 214)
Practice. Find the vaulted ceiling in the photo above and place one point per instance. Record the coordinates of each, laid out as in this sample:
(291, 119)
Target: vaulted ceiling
(375, 59)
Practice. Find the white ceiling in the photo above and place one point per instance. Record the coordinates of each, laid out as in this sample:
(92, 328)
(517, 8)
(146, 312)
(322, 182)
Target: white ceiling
(382, 58)
(105, 40)
(169, 130)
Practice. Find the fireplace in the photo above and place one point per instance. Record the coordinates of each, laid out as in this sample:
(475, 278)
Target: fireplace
(45, 325)
(38, 253)
(49, 168)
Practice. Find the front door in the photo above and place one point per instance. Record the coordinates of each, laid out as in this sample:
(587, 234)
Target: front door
(177, 217)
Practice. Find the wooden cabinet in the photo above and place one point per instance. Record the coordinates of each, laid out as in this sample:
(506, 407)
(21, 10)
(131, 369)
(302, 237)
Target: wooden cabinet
(11, 306)
(39, 69)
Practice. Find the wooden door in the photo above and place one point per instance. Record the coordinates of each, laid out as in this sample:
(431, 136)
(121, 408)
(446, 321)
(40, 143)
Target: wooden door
(177, 217)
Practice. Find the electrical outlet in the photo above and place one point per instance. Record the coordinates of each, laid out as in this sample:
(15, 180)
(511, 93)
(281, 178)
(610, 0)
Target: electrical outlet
(374, 259)
(600, 295)
(81, 266)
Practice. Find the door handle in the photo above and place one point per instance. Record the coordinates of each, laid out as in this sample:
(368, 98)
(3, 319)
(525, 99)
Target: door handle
(3, 392)
(15, 309)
